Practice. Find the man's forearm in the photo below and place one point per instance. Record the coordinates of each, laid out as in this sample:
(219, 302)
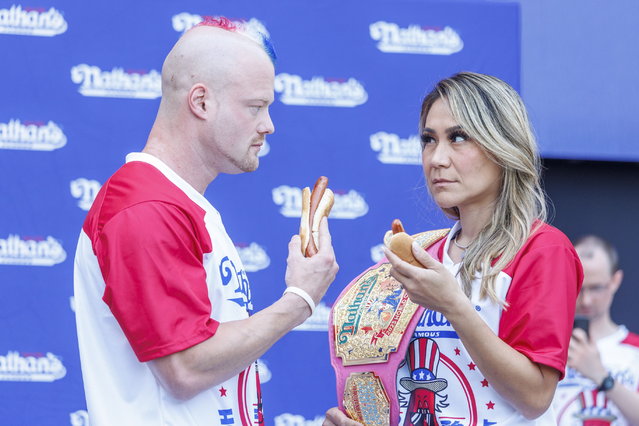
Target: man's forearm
(235, 345)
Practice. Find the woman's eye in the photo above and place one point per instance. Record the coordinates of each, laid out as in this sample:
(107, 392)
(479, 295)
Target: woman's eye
(426, 139)
(255, 108)
(458, 137)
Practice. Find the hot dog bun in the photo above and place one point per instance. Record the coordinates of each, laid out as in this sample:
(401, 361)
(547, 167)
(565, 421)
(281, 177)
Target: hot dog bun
(323, 209)
(315, 205)
(400, 243)
(305, 230)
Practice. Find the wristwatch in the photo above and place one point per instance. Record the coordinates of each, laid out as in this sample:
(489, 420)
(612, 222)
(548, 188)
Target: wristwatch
(606, 384)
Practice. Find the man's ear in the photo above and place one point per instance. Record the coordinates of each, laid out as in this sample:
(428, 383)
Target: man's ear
(617, 277)
(199, 101)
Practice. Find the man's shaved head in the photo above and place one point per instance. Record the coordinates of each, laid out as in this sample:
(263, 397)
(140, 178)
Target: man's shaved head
(217, 86)
(207, 54)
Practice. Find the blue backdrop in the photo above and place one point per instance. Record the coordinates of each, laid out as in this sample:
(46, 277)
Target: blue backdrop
(79, 88)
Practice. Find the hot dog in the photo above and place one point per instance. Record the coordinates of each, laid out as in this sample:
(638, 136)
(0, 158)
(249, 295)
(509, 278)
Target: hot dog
(400, 243)
(315, 205)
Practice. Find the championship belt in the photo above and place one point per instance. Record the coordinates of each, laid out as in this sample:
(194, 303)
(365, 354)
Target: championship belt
(371, 325)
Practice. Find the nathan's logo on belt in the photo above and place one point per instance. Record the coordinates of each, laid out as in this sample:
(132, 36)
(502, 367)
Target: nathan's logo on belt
(117, 83)
(347, 205)
(319, 91)
(371, 317)
(31, 136)
(415, 39)
(185, 21)
(353, 316)
(395, 150)
(31, 251)
(32, 21)
(22, 367)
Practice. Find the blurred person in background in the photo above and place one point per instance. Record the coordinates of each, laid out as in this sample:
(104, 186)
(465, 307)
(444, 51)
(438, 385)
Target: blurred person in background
(602, 382)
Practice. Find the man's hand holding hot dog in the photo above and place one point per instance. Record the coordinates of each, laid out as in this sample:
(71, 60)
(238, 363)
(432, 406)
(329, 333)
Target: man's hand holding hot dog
(316, 204)
(308, 278)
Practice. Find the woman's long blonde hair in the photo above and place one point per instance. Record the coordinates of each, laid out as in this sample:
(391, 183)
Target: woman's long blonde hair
(494, 116)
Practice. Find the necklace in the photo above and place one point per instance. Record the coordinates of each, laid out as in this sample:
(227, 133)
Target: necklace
(459, 245)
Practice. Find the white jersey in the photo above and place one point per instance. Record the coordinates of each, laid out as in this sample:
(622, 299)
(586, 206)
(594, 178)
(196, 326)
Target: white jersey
(155, 273)
(577, 401)
(439, 384)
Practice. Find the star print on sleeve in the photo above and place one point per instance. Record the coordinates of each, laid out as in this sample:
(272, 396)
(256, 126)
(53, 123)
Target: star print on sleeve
(457, 351)
(471, 366)
(484, 383)
(222, 391)
(490, 405)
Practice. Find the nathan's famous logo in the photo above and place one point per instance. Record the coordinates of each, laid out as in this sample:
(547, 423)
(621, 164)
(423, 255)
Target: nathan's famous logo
(392, 38)
(289, 419)
(79, 418)
(32, 21)
(319, 91)
(29, 251)
(264, 371)
(31, 136)
(318, 321)
(185, 21)
(433, 325)
(117, 83)
(348, 205)
(394, 150)
(85, 190)
(25, 367)
(351, 324)
(253, 256)
(377, 252)
(266, 148)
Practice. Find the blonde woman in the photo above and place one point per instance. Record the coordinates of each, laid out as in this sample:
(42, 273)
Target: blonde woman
(499, 291)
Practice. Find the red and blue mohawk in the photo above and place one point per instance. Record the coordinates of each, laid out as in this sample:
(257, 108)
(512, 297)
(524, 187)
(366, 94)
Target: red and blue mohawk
(244, 28)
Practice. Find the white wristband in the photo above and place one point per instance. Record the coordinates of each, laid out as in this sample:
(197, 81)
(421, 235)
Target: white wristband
(303, 294)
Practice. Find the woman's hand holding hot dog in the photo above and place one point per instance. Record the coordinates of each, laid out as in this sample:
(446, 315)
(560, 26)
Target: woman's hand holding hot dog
(430, 285)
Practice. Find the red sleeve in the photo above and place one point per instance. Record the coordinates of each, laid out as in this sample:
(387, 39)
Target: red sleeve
(151, 261)
(541, 304)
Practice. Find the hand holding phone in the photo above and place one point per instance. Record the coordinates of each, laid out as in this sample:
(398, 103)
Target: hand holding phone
(583, 323)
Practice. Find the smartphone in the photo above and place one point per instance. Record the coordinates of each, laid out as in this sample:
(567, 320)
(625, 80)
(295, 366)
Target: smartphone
(583, 323)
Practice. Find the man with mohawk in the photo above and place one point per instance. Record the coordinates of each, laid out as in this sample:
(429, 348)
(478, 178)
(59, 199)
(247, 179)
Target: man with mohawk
(163, 304)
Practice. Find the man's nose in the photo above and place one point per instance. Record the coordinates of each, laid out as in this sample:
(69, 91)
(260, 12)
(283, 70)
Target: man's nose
(266, 127)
